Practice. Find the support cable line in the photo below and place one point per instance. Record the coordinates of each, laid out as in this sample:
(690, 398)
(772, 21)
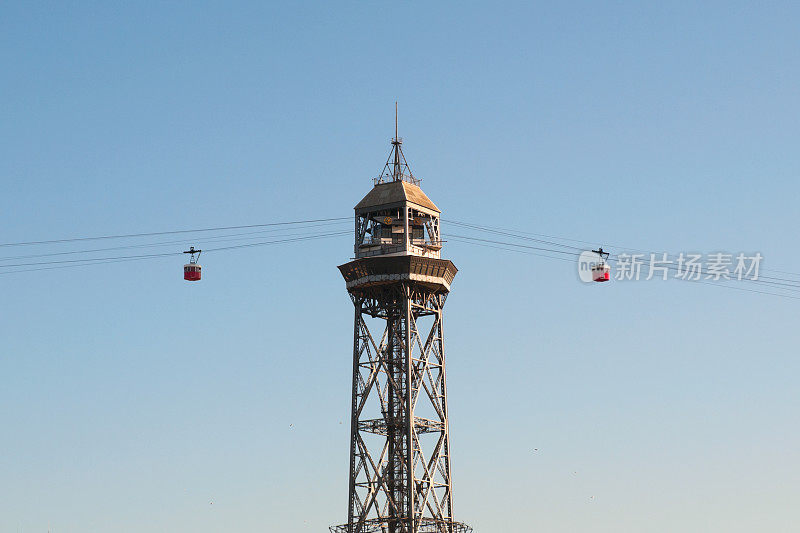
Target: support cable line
(173, 232)
(524, 235)
(790, 288)
(465, 237)
(559, 258)
(102, 260)
(312, 237)
(516, 235)
(215, 238)
(644, 262)
(456, 238)
(539, 244)
(322, 222)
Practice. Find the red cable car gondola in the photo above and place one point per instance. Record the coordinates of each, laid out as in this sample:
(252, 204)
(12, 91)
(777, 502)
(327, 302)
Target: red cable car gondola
(191, 270)
(601, 271)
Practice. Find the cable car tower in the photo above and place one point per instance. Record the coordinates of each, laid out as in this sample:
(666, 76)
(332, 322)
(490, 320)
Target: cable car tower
(399, 479)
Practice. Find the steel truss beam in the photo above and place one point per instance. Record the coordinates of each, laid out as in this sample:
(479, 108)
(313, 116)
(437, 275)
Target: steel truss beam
(400, 479)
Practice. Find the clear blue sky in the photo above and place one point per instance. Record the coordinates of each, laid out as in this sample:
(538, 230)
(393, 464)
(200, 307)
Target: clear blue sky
(130, 400)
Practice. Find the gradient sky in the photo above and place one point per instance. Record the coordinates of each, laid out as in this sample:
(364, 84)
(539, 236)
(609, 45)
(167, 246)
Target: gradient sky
(130, 400)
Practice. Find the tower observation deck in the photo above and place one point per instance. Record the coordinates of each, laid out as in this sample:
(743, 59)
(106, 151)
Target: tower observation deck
(400, 469)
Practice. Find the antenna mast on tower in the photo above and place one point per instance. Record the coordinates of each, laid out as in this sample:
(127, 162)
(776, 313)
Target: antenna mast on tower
(396, 167)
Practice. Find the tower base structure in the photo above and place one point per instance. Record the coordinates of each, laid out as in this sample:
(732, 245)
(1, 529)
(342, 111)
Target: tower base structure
(400, 447)
(428, 526)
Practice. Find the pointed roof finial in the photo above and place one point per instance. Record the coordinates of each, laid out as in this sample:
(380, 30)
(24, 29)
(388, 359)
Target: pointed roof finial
(396, 167)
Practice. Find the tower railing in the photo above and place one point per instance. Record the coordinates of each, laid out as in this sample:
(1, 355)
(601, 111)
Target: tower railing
(388, 178)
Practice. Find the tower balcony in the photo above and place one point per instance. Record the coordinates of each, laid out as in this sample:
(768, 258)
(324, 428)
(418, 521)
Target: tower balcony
(367, 272)
(420, 248)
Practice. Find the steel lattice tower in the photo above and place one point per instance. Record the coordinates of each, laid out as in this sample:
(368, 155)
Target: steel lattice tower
(399, 478)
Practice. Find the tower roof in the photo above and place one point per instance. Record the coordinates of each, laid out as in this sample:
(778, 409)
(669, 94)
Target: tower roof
(395, 193)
